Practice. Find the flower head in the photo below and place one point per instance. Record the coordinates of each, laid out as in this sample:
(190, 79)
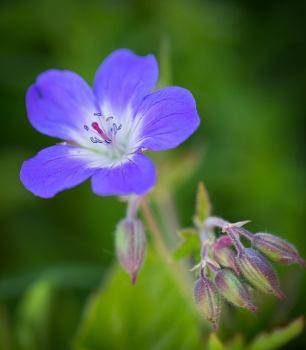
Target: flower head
(106, 129)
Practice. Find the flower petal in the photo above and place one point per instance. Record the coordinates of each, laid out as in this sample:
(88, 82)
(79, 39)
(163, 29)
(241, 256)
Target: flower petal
(166, 117)
(136, 175)
(59, 104)
(57, 168)
(122, 81)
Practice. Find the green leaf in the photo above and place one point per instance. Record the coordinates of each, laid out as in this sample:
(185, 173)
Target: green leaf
(214, 343)
(190, 244)
(278, 337)
(6, 336)
(153, 314)
(236, 343)
(33, 316)
(203, 206)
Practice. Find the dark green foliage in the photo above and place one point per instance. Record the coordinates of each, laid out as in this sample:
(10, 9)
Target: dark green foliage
(245, 63)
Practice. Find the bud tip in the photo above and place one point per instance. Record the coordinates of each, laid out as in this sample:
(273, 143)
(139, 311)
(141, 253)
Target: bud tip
(214, 326)
(134, 278)
(279, 294)
(251, 307)
(235, 267)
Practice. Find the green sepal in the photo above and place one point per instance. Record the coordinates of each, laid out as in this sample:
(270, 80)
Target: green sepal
(203, 206)
(190, 244)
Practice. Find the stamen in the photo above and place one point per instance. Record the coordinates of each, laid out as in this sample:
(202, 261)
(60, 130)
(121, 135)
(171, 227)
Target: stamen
(95, 140)
(105, 137)
(116, 128)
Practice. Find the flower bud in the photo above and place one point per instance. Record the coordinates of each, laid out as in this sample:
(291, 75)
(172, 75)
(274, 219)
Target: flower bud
(256, 269)
(224, 255)
(208, 300)
(233, 290)
(130, 242)
(277, 249)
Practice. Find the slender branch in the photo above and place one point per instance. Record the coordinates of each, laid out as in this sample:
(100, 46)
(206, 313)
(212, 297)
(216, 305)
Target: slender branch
(236, 241)
(243, 232)
(214, 221)
(132, 207)
(163, 250)
(158, 239)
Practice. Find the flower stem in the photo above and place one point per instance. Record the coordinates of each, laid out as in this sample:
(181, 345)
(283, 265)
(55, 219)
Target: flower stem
(157, 236)
(132, 207)
(245, 233)
(214, 221)
(178, 274)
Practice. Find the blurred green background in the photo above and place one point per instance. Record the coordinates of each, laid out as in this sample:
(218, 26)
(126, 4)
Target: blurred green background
(244, 61)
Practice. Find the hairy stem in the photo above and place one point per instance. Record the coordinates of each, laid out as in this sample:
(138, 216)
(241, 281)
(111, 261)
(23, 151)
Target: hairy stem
(163, 250)
(243, 232)
(214, 221)
(157, 236)
(132, 207)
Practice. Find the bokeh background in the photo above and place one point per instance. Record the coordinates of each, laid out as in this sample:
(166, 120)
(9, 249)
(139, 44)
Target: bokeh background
(244, 61)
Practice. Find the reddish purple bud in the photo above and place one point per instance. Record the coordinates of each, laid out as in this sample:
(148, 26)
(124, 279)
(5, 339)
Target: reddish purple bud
(277, 249)
(233, 290)
(208, 300)
(130, 242)
(224, 255)
(256, 269)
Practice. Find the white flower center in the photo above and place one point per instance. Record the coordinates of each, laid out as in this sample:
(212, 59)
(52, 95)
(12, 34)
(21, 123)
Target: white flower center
(110, 138)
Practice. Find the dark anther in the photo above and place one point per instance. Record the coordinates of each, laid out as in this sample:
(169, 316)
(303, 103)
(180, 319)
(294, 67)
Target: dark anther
(95, 140)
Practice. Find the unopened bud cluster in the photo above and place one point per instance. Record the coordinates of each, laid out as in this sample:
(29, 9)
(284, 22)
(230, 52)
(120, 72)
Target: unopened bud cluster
(229, 269)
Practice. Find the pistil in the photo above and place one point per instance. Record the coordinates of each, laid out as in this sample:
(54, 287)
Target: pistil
(97, 128)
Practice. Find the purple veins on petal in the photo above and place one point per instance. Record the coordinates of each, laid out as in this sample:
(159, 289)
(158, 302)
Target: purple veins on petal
(57, 168)
(167, 117)
(58, 102)
(123, 80)
(136, 175)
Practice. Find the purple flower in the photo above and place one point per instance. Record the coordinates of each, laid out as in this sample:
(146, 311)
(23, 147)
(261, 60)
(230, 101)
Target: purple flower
(106, 129)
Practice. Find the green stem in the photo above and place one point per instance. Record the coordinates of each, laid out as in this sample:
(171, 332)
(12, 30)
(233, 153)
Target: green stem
(163, 250)
(157, 236)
